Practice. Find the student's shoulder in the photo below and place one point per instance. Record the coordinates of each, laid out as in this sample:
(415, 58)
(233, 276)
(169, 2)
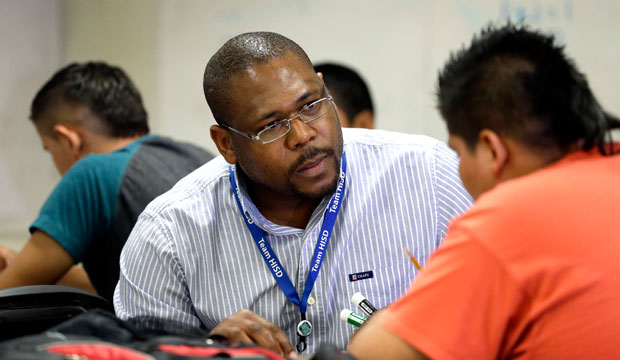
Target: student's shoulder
(92, 178)
(175, 147)
(98, 166)
(201, 186)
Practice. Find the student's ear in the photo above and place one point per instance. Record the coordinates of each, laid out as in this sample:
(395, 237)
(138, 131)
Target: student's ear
(71, 139)
(496, 150)
(364, 119)
(221, 138)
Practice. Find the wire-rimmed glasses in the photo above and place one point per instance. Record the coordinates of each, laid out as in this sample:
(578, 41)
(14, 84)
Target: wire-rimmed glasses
(279, 128)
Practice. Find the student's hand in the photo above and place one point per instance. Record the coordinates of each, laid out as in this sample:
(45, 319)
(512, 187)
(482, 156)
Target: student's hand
(247, 327)
(6, 257)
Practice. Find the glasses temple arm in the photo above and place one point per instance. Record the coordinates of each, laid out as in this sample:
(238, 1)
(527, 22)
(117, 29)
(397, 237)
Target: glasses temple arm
(239, 132)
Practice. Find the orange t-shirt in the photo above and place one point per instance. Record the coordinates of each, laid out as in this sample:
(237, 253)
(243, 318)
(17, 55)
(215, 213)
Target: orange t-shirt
(531, 271)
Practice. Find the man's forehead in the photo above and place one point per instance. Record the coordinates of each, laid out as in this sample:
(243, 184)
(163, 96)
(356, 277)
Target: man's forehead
(281, 68)
(271, 86)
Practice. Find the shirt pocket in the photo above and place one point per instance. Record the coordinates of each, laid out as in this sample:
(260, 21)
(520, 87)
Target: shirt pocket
(381, 285)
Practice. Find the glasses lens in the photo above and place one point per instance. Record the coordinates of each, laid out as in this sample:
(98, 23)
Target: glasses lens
(274, 132)
(314, 110)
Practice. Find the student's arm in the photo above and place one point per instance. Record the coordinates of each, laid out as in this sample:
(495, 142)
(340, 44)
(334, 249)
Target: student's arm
(372, 341)
(41, 261)
(76, 277)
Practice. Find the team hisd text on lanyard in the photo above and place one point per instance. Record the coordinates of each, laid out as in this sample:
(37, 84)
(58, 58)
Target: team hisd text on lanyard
(304, 327)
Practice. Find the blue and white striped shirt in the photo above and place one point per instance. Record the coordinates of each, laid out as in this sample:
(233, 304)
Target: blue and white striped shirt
(191, 258)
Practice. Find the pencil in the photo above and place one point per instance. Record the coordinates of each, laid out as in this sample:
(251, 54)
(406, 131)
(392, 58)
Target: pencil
(413, 260)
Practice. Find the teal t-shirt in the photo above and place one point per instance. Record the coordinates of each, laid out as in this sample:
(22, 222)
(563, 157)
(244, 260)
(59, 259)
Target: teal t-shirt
(94, 207)
(82, 204)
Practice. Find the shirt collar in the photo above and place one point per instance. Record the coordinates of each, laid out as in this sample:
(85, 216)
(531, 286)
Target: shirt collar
(268, 226)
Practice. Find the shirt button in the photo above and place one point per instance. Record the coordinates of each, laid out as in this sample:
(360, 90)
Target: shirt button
(311, 300)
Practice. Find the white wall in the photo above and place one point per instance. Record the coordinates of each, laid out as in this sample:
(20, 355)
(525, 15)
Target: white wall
(30, 44)
(397, 45)
(123, 33)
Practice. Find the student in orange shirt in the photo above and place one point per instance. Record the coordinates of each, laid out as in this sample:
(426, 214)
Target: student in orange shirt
(531, 270)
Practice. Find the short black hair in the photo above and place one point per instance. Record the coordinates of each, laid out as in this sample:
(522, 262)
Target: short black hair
(348, 88)
(106, 90)
(517, 82)
(238, 54)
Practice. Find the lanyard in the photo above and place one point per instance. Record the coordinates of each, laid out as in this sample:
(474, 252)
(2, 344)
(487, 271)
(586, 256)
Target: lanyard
(277, 270)
(274, 265)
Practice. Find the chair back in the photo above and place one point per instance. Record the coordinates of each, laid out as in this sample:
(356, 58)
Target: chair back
(32, 309)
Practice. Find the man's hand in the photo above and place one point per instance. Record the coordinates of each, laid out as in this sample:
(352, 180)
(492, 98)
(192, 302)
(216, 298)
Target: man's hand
(6, 257)
(247, 327)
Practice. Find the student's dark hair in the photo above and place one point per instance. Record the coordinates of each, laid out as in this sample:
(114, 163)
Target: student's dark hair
(347, 87)
(518, 83)
(238, 54)
(106, 90)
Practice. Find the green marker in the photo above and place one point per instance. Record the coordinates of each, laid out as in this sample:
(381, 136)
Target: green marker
(351, 317)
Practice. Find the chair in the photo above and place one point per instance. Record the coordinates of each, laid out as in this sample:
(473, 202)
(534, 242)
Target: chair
(32, 309)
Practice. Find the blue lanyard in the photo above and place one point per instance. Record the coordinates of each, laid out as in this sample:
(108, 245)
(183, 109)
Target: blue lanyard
(277, 270)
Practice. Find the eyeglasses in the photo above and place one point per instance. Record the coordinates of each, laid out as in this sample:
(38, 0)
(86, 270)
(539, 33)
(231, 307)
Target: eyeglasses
(279, 128)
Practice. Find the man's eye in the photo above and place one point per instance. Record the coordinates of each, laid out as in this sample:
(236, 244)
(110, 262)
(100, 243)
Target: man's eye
(311, 107)
(271, 125)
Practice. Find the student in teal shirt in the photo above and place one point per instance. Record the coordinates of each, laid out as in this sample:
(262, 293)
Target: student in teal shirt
(90, 118)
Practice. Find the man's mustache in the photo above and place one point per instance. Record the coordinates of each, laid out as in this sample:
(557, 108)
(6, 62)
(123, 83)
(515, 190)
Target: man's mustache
(307, 155)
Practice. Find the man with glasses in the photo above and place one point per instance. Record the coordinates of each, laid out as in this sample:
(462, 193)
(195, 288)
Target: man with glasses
(267, 243)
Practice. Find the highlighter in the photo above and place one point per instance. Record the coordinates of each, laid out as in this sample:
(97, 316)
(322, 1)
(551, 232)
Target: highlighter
(351, 317)
(361, 301)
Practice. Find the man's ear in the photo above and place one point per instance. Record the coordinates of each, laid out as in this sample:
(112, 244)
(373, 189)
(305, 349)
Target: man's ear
(496, 150)
(71, 138)
(364, 119)
(221, 138)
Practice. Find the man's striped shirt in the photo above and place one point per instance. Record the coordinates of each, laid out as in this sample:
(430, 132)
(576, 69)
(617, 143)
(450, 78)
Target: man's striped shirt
(191, 258)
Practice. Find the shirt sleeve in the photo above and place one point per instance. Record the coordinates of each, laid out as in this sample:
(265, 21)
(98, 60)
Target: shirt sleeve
(81, 206)
(460, 305)
(152, 288)
(452, 198)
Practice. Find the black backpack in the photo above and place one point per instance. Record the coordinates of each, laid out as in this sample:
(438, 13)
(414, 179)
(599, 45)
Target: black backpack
(99, 334)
